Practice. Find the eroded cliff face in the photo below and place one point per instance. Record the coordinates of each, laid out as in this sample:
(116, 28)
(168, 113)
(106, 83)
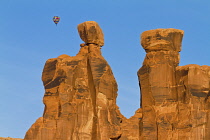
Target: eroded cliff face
(158, 82)
(80, 94)
(174, 99)
(130, 127)
(81, 91)
(193, 102)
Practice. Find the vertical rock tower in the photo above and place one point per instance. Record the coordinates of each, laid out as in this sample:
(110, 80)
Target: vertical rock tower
(174, 99)
(80, 94)
(158, 82)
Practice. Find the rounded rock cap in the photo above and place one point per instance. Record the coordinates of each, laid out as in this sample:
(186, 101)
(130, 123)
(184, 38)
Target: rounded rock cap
(162, 39)
(91, 33)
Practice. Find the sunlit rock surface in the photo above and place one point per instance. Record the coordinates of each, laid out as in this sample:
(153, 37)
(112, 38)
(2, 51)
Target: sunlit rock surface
(158, 83)
(81, 91)
(193, 102)
(174, 99)
(80, 95)
(91, 33)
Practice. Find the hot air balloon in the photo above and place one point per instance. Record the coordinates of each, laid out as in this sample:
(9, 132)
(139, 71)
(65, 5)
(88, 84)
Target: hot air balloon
(56, 19)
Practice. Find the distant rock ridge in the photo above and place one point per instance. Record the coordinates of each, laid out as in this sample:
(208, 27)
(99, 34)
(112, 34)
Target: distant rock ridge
(8, 138)
(81, 91)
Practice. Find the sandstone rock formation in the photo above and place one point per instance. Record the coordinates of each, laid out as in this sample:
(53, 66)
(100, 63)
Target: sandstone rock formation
(81, 91)
(91, 33)
(158, 82)
(193, 102)
(80, 94)
(174, 99)
(130, 127)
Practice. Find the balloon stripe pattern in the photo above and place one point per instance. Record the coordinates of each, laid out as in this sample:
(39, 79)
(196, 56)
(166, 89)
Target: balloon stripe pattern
(56, 19)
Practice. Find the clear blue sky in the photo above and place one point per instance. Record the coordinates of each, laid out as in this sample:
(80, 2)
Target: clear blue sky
(28, 37)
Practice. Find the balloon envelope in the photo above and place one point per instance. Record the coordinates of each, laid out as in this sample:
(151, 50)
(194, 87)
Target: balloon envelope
(56, 19)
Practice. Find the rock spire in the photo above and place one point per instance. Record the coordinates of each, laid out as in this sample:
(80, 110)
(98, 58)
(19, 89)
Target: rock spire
(174, 99)
(158, 82)
(80, 94)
